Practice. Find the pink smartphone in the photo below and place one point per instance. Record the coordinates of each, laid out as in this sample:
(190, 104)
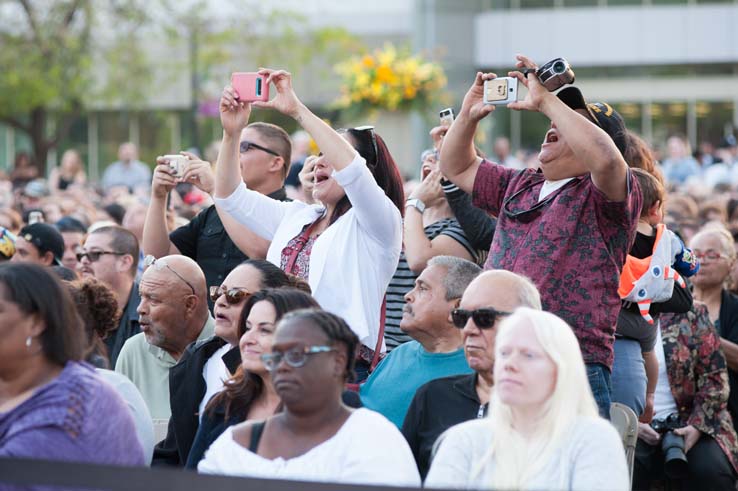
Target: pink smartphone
(250, 86)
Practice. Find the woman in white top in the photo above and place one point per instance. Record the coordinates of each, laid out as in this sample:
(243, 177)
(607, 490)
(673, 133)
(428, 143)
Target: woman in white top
(348, 246)
(316, 437)
(543, 430)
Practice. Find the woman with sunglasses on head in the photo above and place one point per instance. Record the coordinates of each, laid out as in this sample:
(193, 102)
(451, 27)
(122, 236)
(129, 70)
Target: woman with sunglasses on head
(348, 246)
(542, 430)
(248, 394)
(204, 366)
(315, 436)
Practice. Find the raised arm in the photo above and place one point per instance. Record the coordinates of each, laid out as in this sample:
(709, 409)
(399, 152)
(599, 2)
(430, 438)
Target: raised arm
(336, 149)
(459, 161)
(588, 141)
(156, 233)
(234, 116)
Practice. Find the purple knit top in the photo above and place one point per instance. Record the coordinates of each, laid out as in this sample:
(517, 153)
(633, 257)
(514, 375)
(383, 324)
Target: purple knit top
(76, 417)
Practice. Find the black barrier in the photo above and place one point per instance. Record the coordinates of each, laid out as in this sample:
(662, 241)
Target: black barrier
(29, 472)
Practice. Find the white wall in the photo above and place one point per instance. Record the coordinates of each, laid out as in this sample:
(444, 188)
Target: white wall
(639, 35)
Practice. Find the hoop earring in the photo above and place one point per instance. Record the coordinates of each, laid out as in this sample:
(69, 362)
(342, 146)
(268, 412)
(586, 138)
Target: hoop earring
(29, 340)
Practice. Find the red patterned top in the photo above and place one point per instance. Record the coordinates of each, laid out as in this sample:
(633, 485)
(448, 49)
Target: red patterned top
(296, 254)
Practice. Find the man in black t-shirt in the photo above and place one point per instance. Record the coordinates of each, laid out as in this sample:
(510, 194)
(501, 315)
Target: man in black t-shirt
(264, 161)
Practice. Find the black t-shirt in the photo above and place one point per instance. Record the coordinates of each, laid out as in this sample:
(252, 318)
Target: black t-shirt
(205, 241)
(728, 328)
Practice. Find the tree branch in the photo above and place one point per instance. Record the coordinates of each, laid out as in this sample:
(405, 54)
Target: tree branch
(32, 20)
(15, 123)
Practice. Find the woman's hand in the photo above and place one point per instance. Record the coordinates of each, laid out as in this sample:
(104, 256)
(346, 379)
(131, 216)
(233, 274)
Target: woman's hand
(286, 100)
(437, 135)
(537, 93)
(307, 176)
(647, 415)
(234, 114)
(429, 191)
(199, 173)
(690, 434)
(648, 434)
(473, 105)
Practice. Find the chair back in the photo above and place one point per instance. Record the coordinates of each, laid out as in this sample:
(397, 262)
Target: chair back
(624, 420)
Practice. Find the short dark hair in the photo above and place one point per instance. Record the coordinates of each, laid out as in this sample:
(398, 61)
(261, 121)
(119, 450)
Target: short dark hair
(122, 240)
(70, 224)
(651, 189)
(37, 291)
(335, 328)
(277, 140)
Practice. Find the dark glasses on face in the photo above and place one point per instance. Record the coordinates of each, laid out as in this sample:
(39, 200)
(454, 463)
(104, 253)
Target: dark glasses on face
(246, 145)
(232, 295)
(483, 318)
(94, 256)
(295, 357)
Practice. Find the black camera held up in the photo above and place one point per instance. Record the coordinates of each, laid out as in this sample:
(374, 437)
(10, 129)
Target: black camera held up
(672, 446)
(555, 74)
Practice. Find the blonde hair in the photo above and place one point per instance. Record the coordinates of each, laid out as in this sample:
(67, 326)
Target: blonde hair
(519, 459)
(727, 242)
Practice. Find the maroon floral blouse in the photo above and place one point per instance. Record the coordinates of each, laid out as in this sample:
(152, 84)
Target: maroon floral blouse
(296, 254)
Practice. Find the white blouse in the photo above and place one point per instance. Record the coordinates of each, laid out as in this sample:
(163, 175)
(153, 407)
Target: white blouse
(367, 449)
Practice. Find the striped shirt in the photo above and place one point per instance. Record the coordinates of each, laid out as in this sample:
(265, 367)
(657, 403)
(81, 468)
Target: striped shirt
(404, 280)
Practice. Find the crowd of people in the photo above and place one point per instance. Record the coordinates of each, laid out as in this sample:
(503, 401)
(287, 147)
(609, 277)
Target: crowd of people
(274, 314)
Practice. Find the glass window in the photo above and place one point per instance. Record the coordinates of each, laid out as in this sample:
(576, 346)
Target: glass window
(712, 120)
(75, 139)
(580, 3)
(113, 129)
(632, 114)
(536, 4)
(668, 119)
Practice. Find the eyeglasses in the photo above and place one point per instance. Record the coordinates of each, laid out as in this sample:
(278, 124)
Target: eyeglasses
(94, 256)
(711, 255)
(483, 318)
(160, 264)
(247, 145)
(295, 357)
(233, 295)
(526, 216)
(370, 129)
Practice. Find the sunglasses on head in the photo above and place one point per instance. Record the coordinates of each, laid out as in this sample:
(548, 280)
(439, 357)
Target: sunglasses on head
(373, 135)
(483, 318)
(233, 295)
(95, 256)
(160, 264)
(246, 145)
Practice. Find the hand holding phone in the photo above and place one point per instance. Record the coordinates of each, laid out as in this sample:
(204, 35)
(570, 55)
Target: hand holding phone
(250, 86)
(500, 91)
(446, 116)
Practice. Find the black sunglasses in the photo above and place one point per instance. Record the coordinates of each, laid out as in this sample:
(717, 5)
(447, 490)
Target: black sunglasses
(526, 216)
(95, 256)
(484, 318)
(373, 135)
(246, 145)
(232, 295)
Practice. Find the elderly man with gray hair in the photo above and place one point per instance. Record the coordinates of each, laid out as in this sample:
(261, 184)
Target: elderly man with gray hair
(436, 349)
(444, 402)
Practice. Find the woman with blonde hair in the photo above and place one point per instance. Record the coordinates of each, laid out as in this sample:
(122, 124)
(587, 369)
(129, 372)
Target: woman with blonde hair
(543, 430)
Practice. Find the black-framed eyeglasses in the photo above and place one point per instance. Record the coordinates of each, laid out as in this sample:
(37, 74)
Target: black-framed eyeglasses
(95, 256)
(373, 135)
(246, 145)
(233, 295)
(294, 357)
(160, 264)
(484, 318)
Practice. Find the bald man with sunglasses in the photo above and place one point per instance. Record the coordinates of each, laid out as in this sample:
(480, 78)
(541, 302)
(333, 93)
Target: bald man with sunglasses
(444, 402)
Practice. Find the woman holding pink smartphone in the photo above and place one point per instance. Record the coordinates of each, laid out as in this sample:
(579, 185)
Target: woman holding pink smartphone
(347, 246)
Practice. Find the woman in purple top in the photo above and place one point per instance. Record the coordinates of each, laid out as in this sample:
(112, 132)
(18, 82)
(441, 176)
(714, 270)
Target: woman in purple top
(53, 406)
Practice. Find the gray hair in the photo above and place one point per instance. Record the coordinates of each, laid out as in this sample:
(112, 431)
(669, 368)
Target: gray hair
(459, 273)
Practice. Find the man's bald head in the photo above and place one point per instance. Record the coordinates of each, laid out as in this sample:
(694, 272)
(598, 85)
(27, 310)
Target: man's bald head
(502, 290)
(189, 271)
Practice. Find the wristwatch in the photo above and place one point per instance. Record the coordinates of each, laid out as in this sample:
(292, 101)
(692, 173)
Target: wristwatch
(419, 205)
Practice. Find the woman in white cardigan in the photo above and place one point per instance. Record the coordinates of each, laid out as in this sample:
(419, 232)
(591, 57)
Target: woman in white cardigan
(348, 246)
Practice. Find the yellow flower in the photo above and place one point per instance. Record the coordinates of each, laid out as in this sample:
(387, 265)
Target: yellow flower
(385, 74)
(410, 92)
(367, 61)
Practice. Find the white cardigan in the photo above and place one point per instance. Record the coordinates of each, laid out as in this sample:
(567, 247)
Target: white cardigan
(352, 261)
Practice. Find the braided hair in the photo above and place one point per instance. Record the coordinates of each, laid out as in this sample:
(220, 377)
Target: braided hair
(335, 328)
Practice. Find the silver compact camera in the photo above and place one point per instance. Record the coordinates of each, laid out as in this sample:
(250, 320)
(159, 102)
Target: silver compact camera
(555, 74)
(178, 164)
